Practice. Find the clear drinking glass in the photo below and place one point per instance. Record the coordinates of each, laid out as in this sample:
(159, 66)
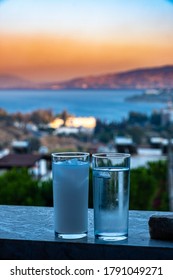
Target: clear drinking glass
(111, 185)
(70, 194)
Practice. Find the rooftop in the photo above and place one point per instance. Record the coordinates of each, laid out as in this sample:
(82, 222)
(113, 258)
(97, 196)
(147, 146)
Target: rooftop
(19, 160)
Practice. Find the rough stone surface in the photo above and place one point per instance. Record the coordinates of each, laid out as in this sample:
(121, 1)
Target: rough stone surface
(161, 227)
(27, 233)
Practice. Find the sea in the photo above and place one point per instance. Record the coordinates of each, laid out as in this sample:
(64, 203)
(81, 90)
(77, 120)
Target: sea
(106, 105)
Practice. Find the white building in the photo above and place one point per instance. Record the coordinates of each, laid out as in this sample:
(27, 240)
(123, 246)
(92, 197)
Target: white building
(66, 130)
(74, 125)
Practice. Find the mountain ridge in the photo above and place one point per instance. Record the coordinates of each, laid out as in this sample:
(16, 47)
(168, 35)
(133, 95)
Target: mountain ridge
(142, 78)
(139, 78)
(14, 82)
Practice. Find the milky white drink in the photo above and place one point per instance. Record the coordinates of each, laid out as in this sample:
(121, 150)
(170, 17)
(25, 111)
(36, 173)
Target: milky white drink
(70, 193)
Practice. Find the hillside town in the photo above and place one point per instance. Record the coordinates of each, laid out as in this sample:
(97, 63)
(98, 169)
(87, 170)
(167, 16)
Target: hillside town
(40, 133)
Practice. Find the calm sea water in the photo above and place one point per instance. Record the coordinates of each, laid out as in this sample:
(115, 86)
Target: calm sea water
(107, 105)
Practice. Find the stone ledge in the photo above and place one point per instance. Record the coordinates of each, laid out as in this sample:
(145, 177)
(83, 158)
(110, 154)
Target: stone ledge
(27, 233)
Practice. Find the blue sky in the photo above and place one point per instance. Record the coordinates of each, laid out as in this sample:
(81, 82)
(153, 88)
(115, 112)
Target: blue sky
(87, 17)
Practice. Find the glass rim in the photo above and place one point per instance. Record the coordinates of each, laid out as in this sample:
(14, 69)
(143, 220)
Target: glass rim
(70, 154)
(111, 155)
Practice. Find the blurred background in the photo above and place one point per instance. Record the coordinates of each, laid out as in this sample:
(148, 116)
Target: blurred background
(93, 76)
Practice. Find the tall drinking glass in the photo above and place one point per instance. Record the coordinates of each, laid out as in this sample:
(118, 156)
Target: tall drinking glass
(70, 194)
(111, 185)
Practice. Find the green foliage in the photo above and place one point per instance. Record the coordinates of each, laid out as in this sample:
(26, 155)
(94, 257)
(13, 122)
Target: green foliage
(136, 132)
(139, 118)
(148, 189)
(46, 192)
(104, 132)
(156, 119)
(17, 187)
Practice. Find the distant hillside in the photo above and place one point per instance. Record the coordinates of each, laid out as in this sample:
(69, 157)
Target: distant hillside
(161, 77)
(13, 82)
(157, 77)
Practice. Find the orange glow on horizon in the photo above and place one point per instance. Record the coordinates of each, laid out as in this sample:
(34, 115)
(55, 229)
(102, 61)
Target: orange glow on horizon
(44, 58)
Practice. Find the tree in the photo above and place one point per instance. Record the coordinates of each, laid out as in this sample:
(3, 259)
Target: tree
(64, 116)
(139, 118)
(17, 187)
(34, 144)
(41, 117)
(46, 190)
(137, 133)
(149, 187)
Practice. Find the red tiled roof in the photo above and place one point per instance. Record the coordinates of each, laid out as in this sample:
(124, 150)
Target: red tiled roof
(19, 160)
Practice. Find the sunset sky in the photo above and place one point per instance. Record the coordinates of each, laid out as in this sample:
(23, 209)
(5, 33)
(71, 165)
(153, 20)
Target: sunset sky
(52, 40)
